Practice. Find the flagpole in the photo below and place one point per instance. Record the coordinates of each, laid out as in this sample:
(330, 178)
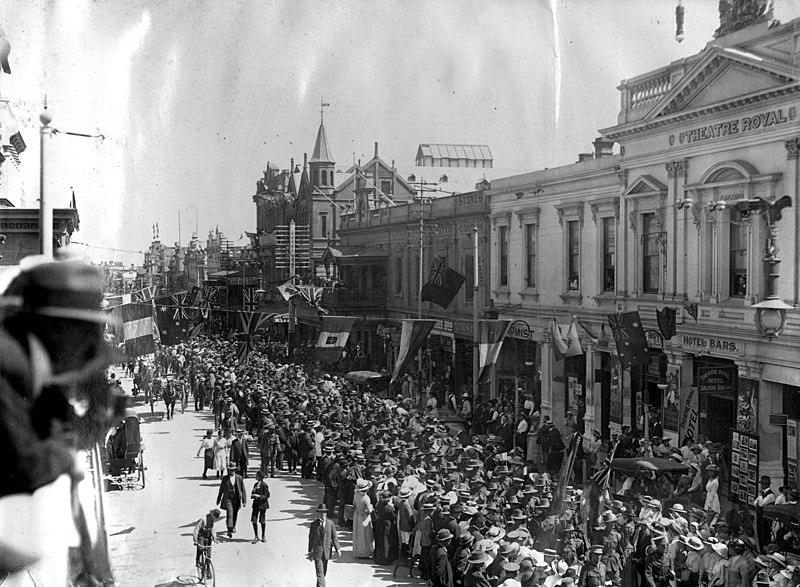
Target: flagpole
(475, 335)
(45, 209)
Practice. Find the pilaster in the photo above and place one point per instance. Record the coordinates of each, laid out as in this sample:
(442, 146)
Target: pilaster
(677, 172)
(792, 182)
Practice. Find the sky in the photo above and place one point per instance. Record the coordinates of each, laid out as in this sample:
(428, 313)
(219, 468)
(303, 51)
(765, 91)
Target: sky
(195, 96)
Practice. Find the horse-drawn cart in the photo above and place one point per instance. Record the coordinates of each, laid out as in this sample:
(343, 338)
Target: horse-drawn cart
(123, 459)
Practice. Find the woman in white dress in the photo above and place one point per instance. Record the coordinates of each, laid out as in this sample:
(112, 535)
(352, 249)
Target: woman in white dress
(363, 537)
(712, 489)
(220, 454)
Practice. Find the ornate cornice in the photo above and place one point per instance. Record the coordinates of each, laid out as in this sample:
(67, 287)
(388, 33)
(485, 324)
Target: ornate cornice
(646, 125)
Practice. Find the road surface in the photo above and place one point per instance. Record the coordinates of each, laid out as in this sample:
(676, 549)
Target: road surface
(150, 530)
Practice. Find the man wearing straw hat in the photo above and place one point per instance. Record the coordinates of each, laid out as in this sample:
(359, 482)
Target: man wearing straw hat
(322, 542)
(441, 572)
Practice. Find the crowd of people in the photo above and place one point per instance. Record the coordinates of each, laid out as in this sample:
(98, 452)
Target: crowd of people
(473, 505)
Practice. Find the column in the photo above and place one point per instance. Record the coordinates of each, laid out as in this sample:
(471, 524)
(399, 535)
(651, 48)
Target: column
(547, 379)
(791, 183)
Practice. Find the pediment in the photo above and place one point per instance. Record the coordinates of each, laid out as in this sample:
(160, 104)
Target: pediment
(723, 75)
(645, 184)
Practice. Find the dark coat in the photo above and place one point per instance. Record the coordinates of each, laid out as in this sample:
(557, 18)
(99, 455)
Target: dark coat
(322, 540)
(227, 494)
(441, 571)
(239, 450)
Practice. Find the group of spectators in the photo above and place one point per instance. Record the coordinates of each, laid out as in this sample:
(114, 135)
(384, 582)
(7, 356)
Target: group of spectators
(486, 503)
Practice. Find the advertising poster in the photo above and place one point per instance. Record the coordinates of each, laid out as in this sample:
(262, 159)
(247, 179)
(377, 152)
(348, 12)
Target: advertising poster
(671, 402)
(689, 413)
(615, 401)
(747, 406)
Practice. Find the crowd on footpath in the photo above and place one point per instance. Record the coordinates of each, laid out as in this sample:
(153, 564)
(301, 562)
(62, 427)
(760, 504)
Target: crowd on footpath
(474, 505)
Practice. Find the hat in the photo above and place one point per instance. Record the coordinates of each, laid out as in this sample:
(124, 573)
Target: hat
(678, 508)
(428, 505)
(466, 538)
(505, 549)
(59, 289)
(720, 549)
(322, 508)
(363, 484)
(693, 542)
(778, 558)
(494, 533)
(477, 558)
(443, 535)
(215, 514)
(405, 493)
(511, 567)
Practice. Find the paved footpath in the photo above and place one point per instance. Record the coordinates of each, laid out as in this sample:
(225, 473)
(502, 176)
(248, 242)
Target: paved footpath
(150, 530)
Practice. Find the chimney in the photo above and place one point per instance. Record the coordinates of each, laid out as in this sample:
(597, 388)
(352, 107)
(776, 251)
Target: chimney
(376, 148)
(603, 147)
(585, 157)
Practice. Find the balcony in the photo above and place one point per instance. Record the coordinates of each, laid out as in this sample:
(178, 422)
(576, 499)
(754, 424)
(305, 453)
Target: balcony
(344, 298)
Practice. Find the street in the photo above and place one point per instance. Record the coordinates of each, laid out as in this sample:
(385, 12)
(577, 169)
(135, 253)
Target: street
(150, 530)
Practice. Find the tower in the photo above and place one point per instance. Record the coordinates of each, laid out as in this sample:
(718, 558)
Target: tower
(321, 163)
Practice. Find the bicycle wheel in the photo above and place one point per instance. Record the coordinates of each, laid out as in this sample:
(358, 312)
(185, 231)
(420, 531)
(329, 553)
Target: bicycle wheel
(211, 575)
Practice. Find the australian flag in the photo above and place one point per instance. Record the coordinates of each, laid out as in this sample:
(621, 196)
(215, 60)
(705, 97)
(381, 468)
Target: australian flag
(666, 322)
(629, 336)
(443, 284)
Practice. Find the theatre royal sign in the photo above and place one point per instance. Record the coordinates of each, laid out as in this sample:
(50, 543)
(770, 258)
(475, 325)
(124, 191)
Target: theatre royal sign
(735, 126)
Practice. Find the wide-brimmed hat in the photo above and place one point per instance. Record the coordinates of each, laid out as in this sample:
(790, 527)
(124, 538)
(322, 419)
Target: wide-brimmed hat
(363, 484)
(443, 534)
(720, 549)
(215, 514)
(321, 508)
(405, 493)
(778, 558)
(477, 558)
(693, 542)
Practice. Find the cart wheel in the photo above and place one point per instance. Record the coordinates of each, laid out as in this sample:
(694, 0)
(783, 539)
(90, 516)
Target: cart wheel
(141, 470)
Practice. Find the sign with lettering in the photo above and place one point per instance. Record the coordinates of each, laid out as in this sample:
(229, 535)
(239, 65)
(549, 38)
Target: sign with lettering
(712, 344)
(735, 126)
(444, 326)
(654, 339)
(689, 414)
(520, 331)
(470, 199)
(715, 380)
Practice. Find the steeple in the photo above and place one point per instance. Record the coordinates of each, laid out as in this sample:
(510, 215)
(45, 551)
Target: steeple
(321, 153)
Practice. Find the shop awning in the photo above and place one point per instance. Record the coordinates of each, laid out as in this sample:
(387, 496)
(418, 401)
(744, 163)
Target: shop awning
(634, 465)
(781, 374)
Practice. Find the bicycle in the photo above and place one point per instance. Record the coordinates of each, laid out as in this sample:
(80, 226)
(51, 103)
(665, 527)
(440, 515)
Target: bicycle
(205, 571)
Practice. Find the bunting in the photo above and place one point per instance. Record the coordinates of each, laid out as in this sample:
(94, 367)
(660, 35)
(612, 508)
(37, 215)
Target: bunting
(443, 284)
(565, 344)
(334, 332)
(491, 334)
(288, 289)
(412, 335)
(629, 337)
(691, 309)
(595, 339)
(251, 323)
(666, 322)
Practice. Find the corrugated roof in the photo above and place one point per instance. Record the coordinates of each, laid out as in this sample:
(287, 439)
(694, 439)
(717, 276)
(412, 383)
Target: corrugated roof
(447, 151)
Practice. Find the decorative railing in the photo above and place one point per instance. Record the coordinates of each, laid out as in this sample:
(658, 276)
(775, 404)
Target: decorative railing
(649, 91)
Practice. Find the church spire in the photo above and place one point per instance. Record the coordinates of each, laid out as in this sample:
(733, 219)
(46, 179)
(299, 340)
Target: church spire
(321, 153)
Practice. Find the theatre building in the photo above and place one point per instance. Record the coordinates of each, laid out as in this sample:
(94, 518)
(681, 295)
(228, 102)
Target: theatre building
(708, 148)
(687, 214)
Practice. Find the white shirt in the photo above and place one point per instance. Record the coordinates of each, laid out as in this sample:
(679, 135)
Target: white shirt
(522, 427)
(767, 497)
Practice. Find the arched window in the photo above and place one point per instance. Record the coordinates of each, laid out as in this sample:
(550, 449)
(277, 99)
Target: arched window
(324, 177)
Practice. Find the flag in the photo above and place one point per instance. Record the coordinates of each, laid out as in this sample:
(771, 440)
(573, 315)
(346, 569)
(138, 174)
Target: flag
(251, 323)
(250, 299)
(412, 335)
(145, 295)
(692, 310)
(666, 322)
(443, 284)
(595, 339)
(312, 295)
(138, 328)
(288, 290)
(333, 335)
(171, 327)
(629, 336)
(566, 344)
(194, 297)
(567, 468)
(491, 334)
(17, 142)
(114, 301)
(215, 296)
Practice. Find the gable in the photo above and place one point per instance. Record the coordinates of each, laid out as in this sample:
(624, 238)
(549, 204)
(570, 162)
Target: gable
(645, 184)
(722, 75)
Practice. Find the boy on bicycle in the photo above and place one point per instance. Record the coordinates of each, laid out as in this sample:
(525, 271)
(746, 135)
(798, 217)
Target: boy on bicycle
(204, 535)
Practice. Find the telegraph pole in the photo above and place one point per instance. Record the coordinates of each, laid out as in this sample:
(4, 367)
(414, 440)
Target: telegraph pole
(476, 341)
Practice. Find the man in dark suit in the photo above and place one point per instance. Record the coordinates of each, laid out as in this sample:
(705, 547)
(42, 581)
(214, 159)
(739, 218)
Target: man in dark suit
(441, 572)
(231, 497)
(322, 541)
(239, 450)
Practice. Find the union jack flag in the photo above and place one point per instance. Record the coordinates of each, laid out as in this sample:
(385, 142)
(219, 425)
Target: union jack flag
(250, 299)
(180, 308)
(312, 295)
(252, 322)
(146, 294)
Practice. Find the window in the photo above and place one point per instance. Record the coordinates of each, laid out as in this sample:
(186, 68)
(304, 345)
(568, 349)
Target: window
(503, 246)
(323, 225)
(738, 252)
(469, 277)
(324, 177)
(609, 252)
(573, 255)
(398, 275)
(386, 187)
(651, 258)
(530, 256)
